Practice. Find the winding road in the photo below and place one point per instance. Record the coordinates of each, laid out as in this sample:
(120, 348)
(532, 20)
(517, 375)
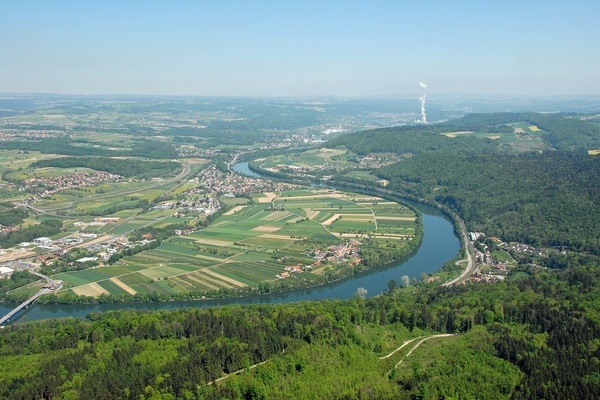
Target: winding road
(471, 267)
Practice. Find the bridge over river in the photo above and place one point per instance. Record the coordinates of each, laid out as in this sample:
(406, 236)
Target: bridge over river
(50, 286)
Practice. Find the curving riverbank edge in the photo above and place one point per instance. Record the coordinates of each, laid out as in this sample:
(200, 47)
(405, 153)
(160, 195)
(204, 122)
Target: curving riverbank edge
(439, 244)
(466, 250)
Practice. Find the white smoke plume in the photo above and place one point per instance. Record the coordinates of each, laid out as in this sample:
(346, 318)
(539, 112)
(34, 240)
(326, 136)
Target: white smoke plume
(422, 100)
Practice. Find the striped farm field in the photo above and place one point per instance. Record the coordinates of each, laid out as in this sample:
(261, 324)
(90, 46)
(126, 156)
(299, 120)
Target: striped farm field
(91, 289)
(199, 279)
(128, 227)
(122, 285)
(251, 271)
(274, 243)
(275, 216)
(391, 218)
(223, 278)
(169, 287)
(247, 246)
(234, 210)
(162, 272)
(134, 279)
(180, 284)
(249, 255)
(212, 280)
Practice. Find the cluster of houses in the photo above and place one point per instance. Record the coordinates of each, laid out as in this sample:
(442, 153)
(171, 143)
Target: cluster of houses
(306, 172)
(525, 248)
(53, 185)
(28, 134)
(294, 269)
(377, 160)
(228, 183)
(207, 204)
(372, 161)
(489, 278)
(347, 252)
(8, 229)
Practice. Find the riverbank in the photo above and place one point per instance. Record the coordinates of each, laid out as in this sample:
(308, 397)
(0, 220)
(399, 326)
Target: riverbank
(405, 198)
(438, 245)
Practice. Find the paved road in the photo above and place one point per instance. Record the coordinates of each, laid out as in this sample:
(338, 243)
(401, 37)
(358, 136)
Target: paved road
(51, 285)
(471, 267)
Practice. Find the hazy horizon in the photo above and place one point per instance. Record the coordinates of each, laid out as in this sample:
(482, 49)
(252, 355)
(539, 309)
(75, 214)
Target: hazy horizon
(310, 49)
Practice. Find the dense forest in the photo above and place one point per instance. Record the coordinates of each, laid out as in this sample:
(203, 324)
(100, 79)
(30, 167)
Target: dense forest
(124, 167)
(532, 336)
(66, 146)
(414, 139)
(546, 197)
(549, 198)
(47, 227)
(13, 217)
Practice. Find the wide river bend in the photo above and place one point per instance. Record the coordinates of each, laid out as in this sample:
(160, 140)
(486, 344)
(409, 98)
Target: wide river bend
(439, 245)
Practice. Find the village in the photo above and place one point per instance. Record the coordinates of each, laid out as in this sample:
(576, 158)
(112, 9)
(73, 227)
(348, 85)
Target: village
(494, 264)
(230, 184)
(347, 252)
(204, 199)
(43, 187)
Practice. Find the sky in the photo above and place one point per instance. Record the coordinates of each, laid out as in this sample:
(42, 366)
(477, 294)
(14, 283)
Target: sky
(300, 48)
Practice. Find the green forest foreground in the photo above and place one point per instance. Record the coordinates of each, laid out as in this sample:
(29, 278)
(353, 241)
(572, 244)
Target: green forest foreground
(535, 335)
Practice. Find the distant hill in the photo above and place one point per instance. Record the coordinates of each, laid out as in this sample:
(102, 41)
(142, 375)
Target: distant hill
(561, 132)
(549, 198)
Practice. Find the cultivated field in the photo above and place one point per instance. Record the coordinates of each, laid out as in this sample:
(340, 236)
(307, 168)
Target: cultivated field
(250, 245)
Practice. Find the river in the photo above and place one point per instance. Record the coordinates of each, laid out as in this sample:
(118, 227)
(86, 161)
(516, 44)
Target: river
(439, 245)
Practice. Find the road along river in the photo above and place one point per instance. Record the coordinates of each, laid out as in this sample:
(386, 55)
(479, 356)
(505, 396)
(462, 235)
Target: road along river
(439, 244)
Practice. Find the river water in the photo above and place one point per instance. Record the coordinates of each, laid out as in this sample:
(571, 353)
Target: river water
(439, 245)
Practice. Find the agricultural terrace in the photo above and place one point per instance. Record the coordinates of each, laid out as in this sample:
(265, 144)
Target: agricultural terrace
(275, 241)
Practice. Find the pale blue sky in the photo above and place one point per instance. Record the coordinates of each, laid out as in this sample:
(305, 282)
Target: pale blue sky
(285, 48)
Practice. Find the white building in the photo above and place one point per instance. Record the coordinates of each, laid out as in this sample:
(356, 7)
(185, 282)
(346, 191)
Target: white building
(43, 241)
(5, 272)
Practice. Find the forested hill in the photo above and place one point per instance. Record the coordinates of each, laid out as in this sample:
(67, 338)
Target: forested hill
(561, 132)
(549, 198)
(534, 182)
(152, 149)
(413, 139)
(124, 167)
(535, 335)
